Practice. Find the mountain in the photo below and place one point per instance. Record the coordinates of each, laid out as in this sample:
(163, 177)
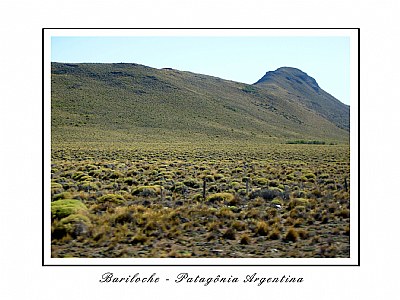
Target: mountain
(292, 83)
(132, 103)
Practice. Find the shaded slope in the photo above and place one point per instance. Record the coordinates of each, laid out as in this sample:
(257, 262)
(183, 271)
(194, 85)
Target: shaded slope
(135, 103)
(295, 84)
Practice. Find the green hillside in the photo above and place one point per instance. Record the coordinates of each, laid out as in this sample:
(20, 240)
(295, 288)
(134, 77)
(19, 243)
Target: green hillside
(291, 83)
(131, 103)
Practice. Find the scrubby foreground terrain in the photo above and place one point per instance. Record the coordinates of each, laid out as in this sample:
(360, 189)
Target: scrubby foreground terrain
(262, 201)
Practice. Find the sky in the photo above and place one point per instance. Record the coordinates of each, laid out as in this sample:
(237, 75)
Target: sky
(239, 58)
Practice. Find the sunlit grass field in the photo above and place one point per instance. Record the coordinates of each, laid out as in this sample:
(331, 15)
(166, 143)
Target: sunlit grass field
(200, 200)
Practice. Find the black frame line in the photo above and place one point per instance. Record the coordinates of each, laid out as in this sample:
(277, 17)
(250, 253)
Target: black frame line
(203, 265)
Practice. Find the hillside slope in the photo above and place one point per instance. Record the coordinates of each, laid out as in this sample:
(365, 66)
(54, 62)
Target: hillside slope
(292, 83)
(133, 103)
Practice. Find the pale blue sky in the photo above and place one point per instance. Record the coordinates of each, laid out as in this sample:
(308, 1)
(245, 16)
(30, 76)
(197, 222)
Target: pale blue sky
(243, 59)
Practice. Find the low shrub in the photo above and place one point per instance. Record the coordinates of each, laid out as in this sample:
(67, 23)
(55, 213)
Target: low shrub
(291, 235)
(276, 202)
(197, 197)
(297, 202)
(225, 212)
(111, 199)
(344, 213)
(303, 234)
(73, 225)
(239, 225)
(260, 181)
(147, 191)
(261, 228)
(139, 239)
(219, 197)
(229, 234)
(266, 194)
(65, 207)
(63, 195)
(310, 176)
(192, 183)
(245, 239)
(275, 234)
(219, 176)
(56, 186)
(124, 216)
(79, 175)
(89, 186)
(347, 231)
(129, 181)
(306, 142)
(298, 212)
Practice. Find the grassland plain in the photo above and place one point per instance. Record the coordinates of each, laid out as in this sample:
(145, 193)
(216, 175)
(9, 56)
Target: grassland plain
(164, 163)
(286, 200)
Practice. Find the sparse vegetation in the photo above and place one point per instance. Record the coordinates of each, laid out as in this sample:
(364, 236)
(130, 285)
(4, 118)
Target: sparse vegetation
(306, 142)
(93, 103)
(157, 200)
(214, 178)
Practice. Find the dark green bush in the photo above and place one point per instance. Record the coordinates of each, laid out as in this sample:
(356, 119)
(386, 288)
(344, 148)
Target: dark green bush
(266, 194)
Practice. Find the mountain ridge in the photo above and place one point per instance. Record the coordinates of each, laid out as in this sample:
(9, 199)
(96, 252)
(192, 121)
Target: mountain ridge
(307, 91)
(132, 102)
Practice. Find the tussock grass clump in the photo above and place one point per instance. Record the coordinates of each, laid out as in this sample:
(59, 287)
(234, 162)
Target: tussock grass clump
(291, 235)
(235, 185)
(261, 228)
(297, 202)
(111, 199)
(257, 202)
(80, 176)
(229, 234)
(56, 186)
(347, 231)
(65, 207)
(124, 215)
(220, 197)
(325, 218)
(252, 214)
(197, 198)
(276, 202)
(140, 238)
(298, 212)
(275, 234)
(218, 176)
(245, 239)
(310, 175)
(303, 234)
(225, 212)
(260, 181)
(73, 225)
(89, 186)
(192, 183)
(239, 225)
(147, 191)
(130, 181)
(63, 195)
(343, 213)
